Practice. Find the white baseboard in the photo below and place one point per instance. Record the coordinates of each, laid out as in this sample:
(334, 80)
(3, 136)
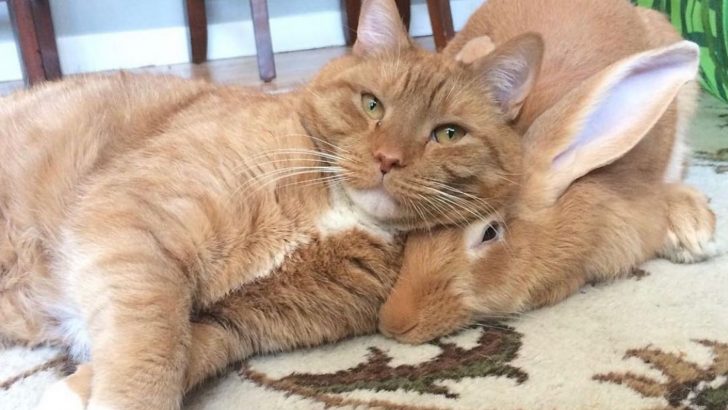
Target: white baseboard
(165, 46)
(9, 63)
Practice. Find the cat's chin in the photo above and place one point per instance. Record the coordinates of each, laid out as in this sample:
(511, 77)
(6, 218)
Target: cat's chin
(375, 202)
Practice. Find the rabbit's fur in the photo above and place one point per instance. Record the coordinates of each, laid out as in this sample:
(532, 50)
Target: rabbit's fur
(600, 190)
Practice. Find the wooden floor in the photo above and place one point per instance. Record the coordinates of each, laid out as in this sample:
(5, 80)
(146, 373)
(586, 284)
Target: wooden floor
(293, 69)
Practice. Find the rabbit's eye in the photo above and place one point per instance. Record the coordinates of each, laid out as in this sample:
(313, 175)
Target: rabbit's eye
(491, 232)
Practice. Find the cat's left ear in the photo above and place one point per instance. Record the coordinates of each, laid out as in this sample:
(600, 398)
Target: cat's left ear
(380, 28)
(510, 71)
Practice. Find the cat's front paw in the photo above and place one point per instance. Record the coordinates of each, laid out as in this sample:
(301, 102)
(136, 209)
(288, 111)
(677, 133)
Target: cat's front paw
(60, 396)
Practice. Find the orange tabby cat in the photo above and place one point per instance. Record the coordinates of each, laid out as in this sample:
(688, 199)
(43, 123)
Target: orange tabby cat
(131, 206)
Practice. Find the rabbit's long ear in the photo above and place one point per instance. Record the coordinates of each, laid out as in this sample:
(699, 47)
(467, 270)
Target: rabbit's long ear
(603, 118)
(380, 28)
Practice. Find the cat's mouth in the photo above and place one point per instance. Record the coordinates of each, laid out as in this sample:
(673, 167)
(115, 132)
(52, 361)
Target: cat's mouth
(376, 202)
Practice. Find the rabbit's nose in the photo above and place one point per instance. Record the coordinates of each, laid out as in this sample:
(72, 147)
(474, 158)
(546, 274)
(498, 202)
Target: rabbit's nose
(397, 317)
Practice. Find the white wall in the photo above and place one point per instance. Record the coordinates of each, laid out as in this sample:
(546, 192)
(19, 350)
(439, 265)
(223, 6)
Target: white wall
(96, 35)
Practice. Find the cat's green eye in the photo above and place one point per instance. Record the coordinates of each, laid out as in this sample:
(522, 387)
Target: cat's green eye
(372, 106)
(447, 133)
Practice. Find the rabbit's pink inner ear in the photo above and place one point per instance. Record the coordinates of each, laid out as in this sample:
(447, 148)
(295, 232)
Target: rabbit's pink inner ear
(627, 110)
(600, 121)
(380, 28)
(510, 71)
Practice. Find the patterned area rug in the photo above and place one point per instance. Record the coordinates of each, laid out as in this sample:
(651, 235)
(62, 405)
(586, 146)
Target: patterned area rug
(656, 340)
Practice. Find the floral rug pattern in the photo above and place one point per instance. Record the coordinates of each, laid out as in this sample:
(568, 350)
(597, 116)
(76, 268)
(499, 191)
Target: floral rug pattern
(687, 385)
(494, 349)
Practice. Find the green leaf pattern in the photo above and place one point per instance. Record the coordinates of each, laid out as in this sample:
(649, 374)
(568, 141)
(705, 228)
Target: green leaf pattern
(704, 22)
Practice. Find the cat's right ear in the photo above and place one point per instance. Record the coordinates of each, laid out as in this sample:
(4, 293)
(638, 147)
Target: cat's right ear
(510, 71)
(380, 28)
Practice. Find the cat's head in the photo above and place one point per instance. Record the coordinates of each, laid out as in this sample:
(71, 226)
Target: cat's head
(420, 140)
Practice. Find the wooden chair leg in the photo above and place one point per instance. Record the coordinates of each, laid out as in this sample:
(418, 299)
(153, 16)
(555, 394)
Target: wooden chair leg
(351, 10)
(33, 26)
(441, 20)
(197, 24)
(46, 39)
(263, 43)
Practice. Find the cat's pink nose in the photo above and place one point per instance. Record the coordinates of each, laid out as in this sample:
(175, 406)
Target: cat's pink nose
(387, 161)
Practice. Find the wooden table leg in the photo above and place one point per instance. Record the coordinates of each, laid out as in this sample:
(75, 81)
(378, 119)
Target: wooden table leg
(350, 13)
(197, 25)
(441, 20)
(33, 26)
(263, 43)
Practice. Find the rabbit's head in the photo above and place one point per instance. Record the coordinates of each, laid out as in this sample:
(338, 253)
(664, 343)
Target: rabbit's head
(447, 278)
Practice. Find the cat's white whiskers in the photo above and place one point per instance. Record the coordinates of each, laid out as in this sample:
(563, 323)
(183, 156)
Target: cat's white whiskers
(291, 156)
(452, 200)
(500, 218)
(432, 201)
(455, 201)
(419, 210)
(321, 140)
(460, 221)
(301, 151)
(264, 183)
(439, 210)
(295, 160)
(332, 156)
(335, 147)
(443, 208)
(324, 169)
(340, 150)
(266, 179)
(316, 181)
(490, 209)
(446, 211)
